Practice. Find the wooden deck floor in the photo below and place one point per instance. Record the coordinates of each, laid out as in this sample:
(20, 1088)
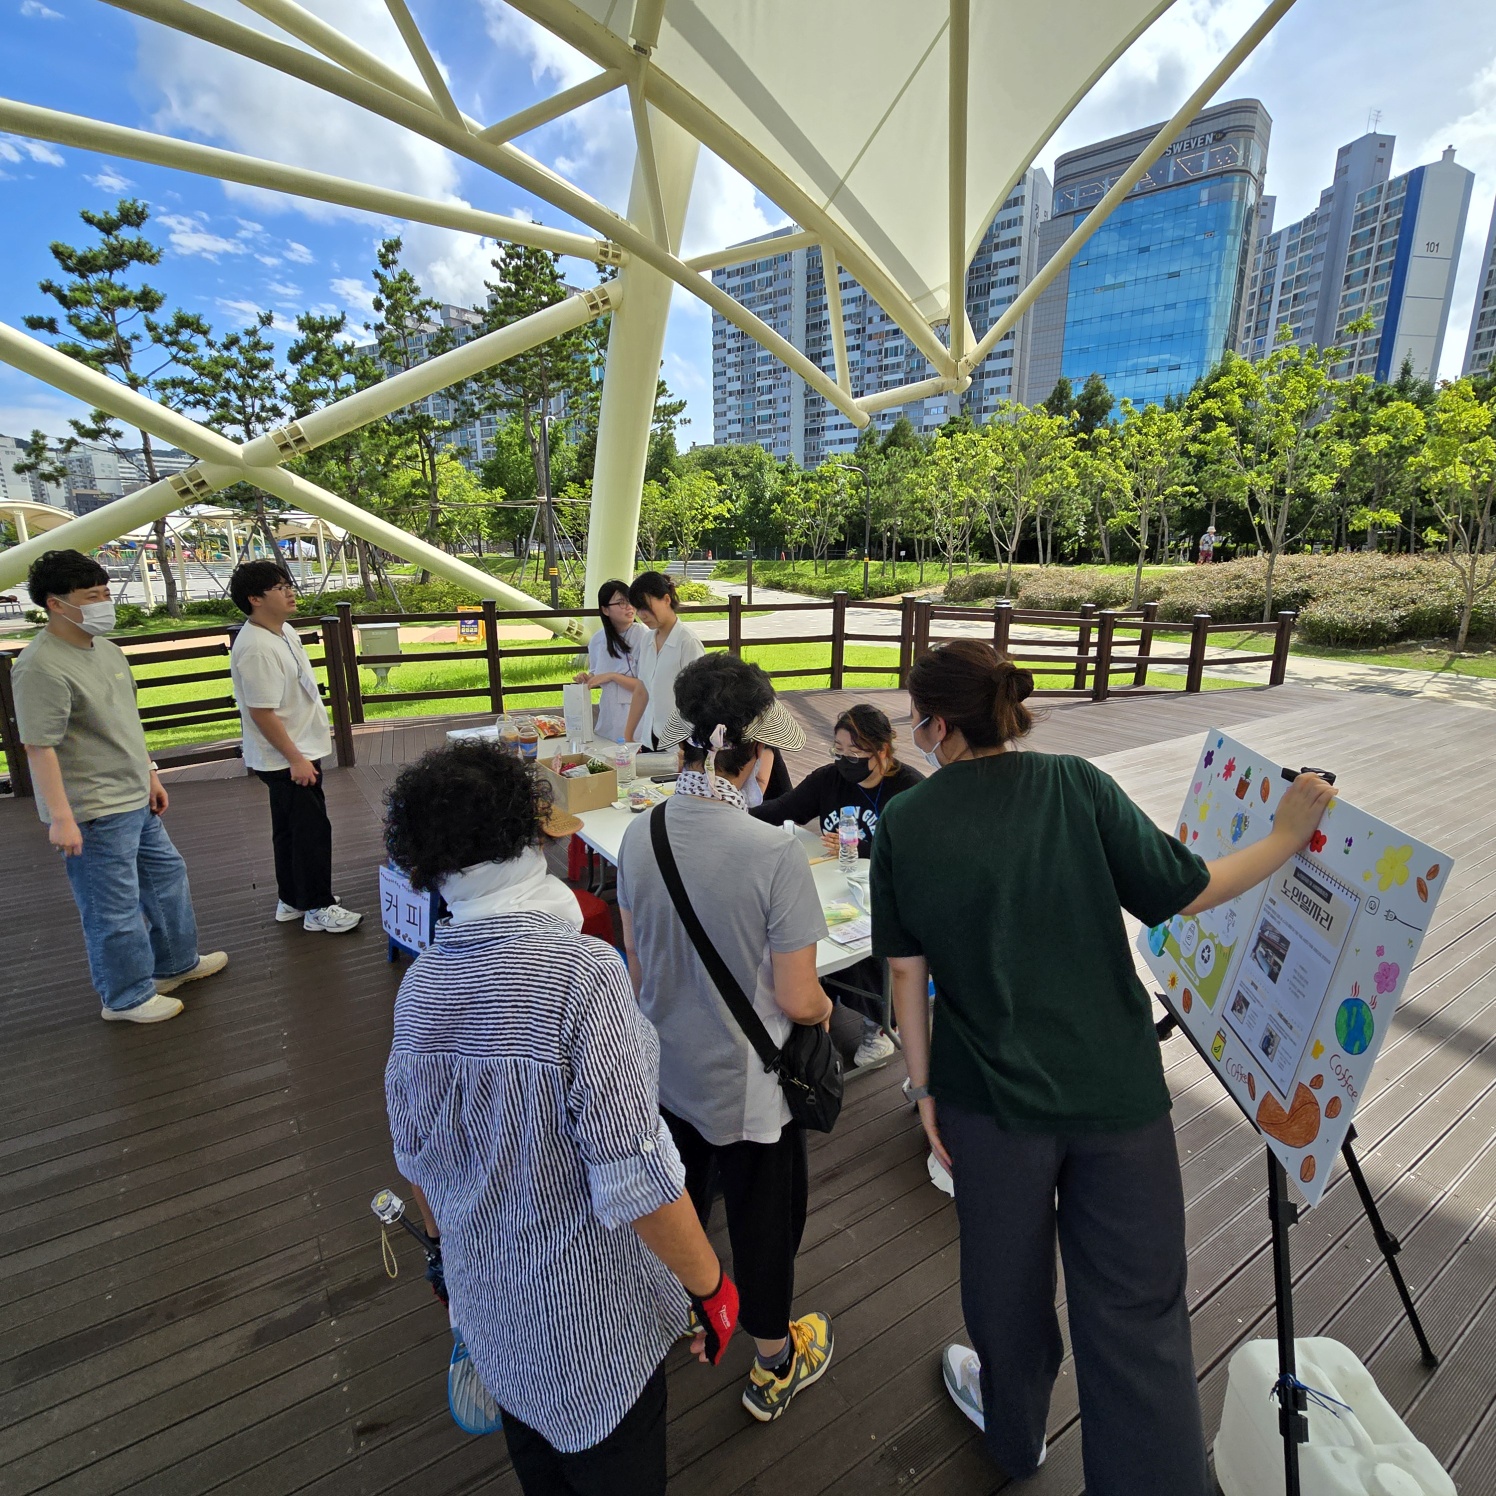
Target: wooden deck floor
(190, 1284)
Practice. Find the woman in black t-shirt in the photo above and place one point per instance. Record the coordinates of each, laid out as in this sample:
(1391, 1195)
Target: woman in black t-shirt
(863, 773)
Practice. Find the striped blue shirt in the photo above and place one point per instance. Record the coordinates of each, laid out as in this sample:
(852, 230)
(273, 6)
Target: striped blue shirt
(522, 1094)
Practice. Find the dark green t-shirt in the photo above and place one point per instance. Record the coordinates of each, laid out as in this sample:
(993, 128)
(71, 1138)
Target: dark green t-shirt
(1009, 874)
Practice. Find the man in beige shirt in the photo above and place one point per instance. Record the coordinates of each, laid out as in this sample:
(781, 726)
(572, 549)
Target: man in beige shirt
(101, 798)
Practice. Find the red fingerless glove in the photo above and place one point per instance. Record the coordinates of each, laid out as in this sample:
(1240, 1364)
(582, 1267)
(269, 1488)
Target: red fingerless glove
(717, 1314)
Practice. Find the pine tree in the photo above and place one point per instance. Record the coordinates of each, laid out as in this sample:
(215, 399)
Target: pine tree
(112, 327)
(409, 332)
(237, 385)
(529, 384)
(326, 367)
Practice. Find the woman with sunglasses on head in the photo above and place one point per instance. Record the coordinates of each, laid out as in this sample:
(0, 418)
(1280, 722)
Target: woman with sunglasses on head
(613, 654)
(1005, 877)
(673, 647)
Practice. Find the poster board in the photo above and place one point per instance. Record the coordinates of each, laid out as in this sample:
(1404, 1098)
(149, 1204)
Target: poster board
(1290, 989)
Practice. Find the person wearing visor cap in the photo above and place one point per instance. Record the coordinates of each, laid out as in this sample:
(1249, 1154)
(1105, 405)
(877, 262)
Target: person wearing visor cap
(751, 888)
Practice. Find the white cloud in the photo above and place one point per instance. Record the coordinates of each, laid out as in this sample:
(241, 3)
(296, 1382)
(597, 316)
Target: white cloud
(15, 148)
(34, 10)
(109, 180)
(298, 254)
(548, 55)
(725, 208)
(353, 293)
(190, 235)
(216, 95)
(1473, 135)
(283, 290)
(246, 313)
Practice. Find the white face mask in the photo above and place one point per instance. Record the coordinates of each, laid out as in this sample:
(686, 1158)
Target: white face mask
(931, 756)
(95, 618)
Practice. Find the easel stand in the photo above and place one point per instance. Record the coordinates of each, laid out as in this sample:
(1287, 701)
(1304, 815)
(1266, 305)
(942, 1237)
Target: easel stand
(1283, 1212)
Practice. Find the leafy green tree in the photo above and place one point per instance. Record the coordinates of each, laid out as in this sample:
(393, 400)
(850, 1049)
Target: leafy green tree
(1093, 406)
(750, 480)
(1374, 440)
(1028, 453)
(408, 332)
(1100, 483)
(532, 383)
(695, 505)
(813, 510)
(654, 520)
(951, 483)
(1061, 399)
(1150, 454)
(112, 326)
(1255, 428)
(1458, 463)
(668, 418)
(236, 383)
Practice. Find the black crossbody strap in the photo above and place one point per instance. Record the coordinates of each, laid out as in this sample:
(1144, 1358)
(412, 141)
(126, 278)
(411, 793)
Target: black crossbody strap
(727, 984)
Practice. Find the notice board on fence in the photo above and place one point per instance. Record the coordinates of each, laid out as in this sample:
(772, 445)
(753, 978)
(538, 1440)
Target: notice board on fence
(1290, 988)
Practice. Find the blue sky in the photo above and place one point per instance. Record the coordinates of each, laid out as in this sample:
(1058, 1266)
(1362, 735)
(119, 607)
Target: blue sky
(1429, 66)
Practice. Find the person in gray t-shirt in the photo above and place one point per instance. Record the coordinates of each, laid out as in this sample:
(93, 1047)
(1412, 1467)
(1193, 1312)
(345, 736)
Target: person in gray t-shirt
(102, 799)
(751, 888)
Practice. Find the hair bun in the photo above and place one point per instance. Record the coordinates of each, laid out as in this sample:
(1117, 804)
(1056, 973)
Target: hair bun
(1017, 682)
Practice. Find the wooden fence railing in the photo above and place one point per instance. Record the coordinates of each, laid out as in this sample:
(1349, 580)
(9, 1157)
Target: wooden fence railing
(1094, 653)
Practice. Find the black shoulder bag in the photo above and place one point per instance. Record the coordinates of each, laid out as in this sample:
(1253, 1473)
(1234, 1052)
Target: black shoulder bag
(809, 1068)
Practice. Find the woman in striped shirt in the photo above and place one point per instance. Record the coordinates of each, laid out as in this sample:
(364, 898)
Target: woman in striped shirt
(522, 1095)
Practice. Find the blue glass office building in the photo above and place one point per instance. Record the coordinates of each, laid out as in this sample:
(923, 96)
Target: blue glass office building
(1153, 299)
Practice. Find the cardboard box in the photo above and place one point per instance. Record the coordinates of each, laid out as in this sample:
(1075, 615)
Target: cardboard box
(577, 795)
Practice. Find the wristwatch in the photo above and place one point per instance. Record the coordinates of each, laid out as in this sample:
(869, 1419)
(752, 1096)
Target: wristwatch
(918, 1093)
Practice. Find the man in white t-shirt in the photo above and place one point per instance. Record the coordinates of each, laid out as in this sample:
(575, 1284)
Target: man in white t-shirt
(286, 734)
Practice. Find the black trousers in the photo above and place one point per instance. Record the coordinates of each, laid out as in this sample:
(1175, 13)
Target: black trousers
(1116, 1202)
(301, 838)
(764, 1189)
(629, 1462)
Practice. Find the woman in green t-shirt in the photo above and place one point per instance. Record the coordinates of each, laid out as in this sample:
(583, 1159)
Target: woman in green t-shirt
(1004, 878)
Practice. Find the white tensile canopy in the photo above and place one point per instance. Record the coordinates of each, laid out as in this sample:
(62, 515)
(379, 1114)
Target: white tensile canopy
(888, 130)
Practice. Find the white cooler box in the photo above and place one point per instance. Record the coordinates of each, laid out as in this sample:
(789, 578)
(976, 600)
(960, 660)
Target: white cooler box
(1366, 1451)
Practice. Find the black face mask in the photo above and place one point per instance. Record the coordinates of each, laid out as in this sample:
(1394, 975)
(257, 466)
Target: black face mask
(853, 770)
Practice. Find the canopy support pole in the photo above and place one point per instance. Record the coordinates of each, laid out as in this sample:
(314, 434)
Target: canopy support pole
(636, 339)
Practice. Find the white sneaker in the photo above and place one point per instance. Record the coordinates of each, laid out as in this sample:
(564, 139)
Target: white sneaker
(875, 1050)
(284, 913)
(206, 966)
(961, 1370)
(333, 920)
(155, 1009)
(940, 1176)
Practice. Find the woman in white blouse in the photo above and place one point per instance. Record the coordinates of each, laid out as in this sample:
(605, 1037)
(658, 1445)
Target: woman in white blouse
(673, 647)
(613, 655)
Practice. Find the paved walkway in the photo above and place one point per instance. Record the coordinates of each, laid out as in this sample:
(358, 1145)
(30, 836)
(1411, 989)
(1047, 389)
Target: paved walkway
(1305, 670)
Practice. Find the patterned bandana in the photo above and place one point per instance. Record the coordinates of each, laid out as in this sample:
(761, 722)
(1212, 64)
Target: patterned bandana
(708, 787)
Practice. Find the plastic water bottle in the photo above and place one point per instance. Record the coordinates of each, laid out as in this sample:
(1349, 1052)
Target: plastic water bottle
(846, 839)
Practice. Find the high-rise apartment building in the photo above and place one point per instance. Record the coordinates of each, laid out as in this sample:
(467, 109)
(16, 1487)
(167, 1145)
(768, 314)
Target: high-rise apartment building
(755, 398)
(1291, 266)
(25, 488)
(1480, 347)
(1153, 298)
(1375, 245)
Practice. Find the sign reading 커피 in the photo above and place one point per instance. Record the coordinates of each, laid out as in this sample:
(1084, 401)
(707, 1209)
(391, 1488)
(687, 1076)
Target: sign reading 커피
(404, 912)
(1290, 988)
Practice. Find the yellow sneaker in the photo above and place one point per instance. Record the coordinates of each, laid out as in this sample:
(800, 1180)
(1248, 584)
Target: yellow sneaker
(767, 1396)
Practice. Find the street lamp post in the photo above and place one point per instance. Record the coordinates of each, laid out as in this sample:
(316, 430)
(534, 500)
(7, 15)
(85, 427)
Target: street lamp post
(867, 519)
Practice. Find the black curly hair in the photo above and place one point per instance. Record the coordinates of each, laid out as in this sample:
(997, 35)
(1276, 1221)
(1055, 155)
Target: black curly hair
(722, 688)
(466, 803)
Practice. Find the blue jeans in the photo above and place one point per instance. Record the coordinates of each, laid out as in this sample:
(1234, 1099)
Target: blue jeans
(130, 886)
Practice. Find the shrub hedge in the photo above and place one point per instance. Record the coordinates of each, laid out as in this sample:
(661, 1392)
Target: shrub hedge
(1350, 601)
